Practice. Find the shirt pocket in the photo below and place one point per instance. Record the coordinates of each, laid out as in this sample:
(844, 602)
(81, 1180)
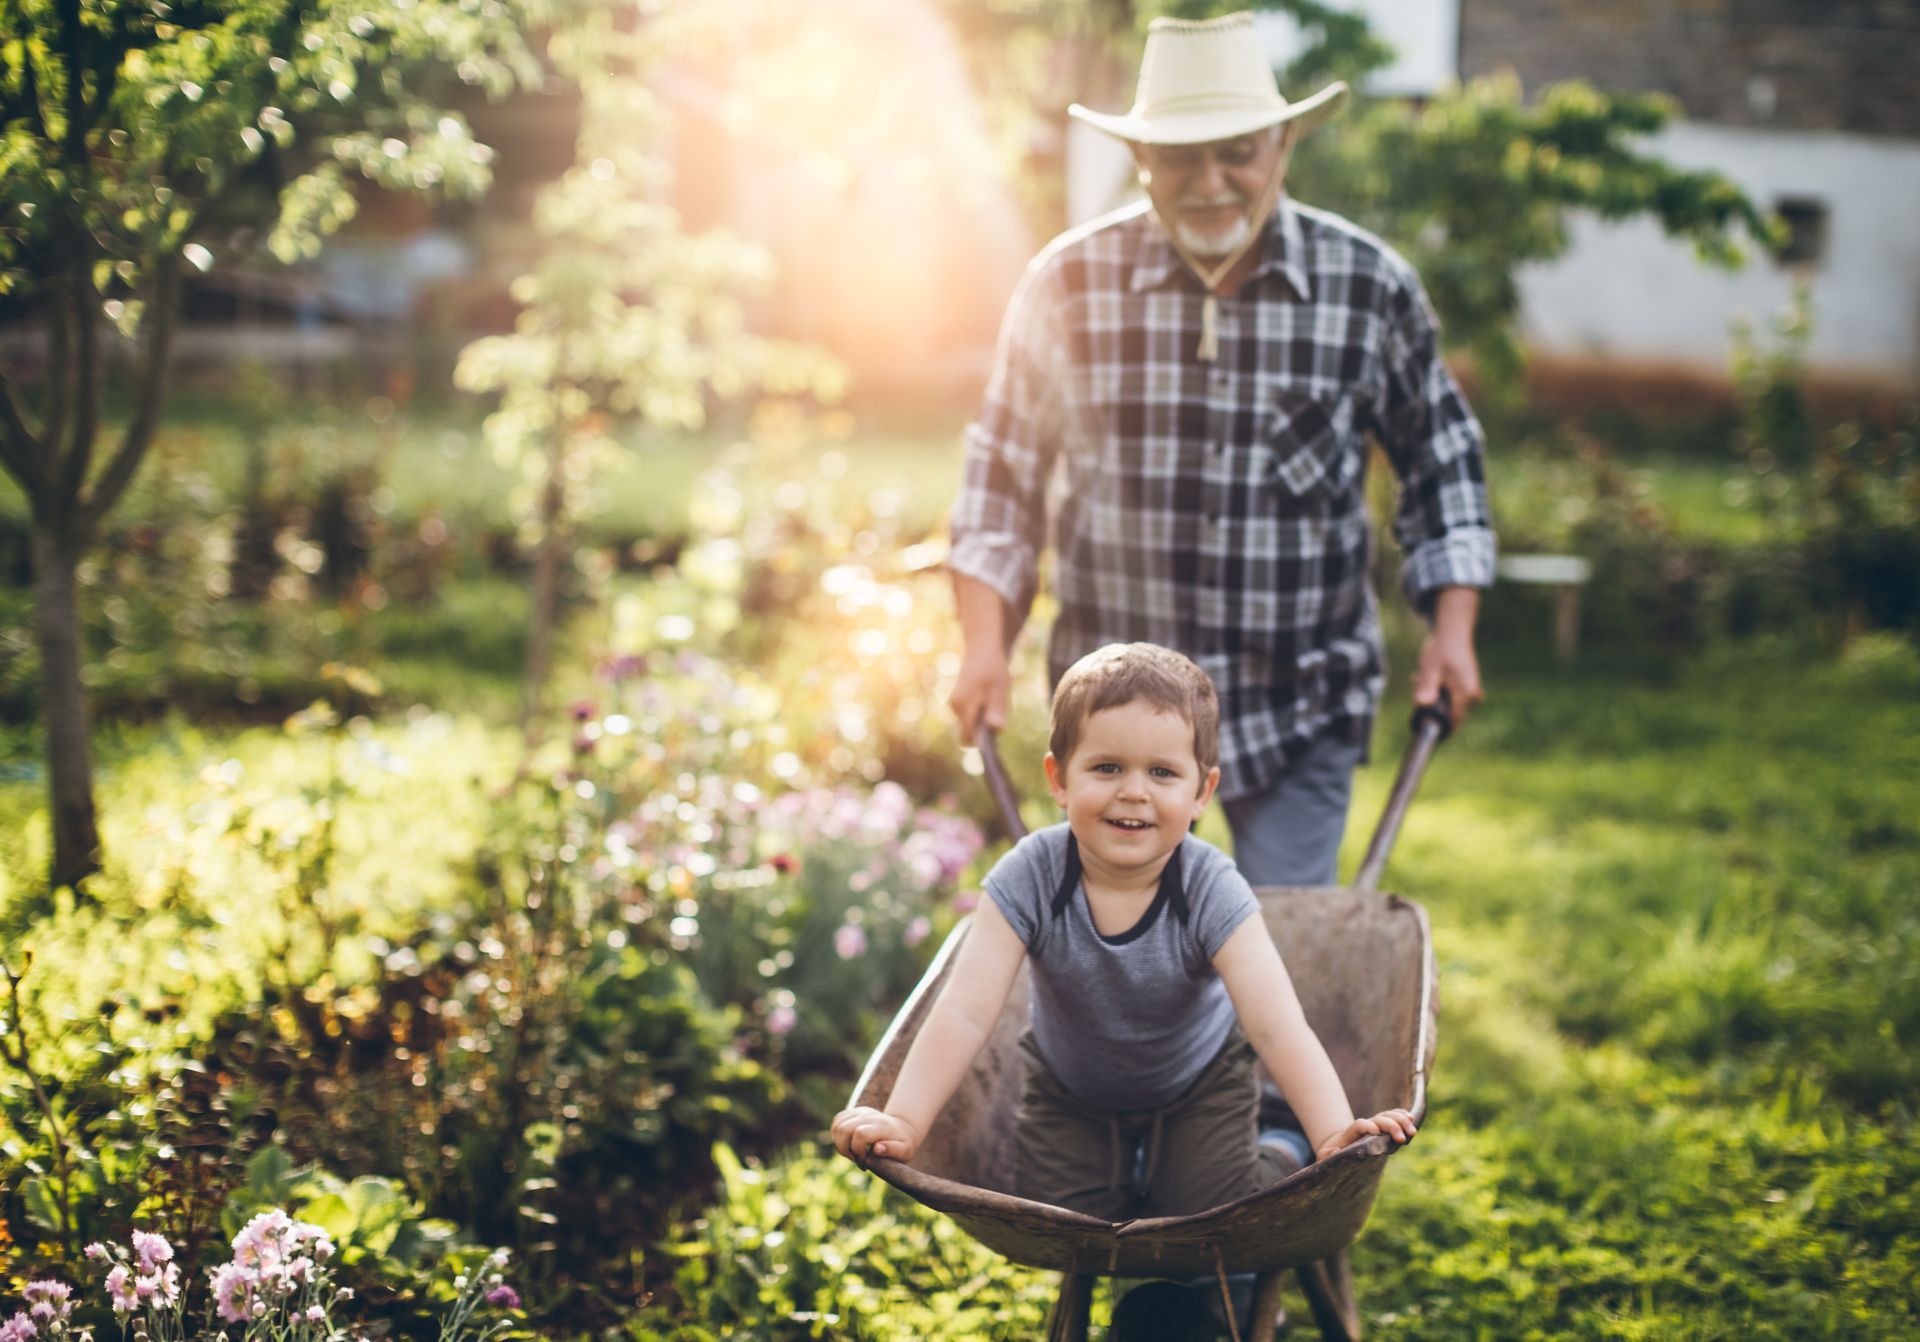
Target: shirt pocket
(1308, 448)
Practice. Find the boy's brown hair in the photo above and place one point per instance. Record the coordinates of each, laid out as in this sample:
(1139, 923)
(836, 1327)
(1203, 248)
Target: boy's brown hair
(1128, 673)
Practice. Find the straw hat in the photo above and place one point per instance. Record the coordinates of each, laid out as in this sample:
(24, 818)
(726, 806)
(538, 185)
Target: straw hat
(1208, 81)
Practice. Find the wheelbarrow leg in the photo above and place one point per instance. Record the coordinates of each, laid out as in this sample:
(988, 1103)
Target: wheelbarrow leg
(1264, 1320)
(1329, 1287)
(1073, 1310)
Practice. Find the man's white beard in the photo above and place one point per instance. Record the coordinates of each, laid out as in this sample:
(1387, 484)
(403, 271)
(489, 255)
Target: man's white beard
(1211, 245)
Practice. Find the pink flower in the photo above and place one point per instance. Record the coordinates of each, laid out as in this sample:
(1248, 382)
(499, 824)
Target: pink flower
(232, 1287)
(48, 1301)
(781, 1020)
(966, 901)
(120, 1292)
(152, 1250)
(850, 942)
(916, 931)
(504, 1296)
(583, 710)
(260, 1240)
(19, 1328)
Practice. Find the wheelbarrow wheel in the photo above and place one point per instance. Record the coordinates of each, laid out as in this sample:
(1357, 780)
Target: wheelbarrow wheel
(1328, 1285)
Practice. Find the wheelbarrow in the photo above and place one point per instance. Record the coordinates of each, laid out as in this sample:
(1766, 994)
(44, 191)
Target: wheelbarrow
(1362, 963)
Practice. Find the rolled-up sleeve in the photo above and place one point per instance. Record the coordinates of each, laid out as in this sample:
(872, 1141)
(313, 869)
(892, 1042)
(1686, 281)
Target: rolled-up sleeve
(999, 521)
(1443, 521)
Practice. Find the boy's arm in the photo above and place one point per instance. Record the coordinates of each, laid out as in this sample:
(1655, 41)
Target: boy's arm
(1270, 1014)
(953, 1034)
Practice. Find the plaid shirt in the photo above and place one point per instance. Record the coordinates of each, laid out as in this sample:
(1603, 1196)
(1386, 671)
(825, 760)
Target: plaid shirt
(1219, 508)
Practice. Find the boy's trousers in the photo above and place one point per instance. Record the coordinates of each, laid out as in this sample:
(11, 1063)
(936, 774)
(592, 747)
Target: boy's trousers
(1199, 1151)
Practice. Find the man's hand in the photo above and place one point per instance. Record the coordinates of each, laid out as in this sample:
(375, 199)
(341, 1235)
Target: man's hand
(985, 683)
(1447, 660)
(860, 1134)
(1395, 1123)
(981, 691)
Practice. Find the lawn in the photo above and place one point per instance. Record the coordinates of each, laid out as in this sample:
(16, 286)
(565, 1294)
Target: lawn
(1671, 900)
(1673, 1097)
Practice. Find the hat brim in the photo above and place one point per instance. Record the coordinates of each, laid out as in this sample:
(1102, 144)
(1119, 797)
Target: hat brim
(1203, 127)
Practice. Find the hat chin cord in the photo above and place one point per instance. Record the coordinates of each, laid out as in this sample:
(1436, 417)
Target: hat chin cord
(1211, 277)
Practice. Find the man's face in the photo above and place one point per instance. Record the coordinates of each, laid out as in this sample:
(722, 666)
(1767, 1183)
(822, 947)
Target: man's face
(1206, 193)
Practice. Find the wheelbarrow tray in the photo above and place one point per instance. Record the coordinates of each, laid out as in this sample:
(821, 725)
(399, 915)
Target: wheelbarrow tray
(1362, 963)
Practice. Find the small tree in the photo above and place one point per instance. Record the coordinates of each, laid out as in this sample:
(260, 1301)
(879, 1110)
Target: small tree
(136, 137)
(627, 319)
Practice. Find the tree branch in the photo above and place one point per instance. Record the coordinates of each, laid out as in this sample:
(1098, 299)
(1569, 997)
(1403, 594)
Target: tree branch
(76, 454)
(33, 93)
(106, 79)
(19, 453)
(73, 33)
(157, 335)
(53, 421)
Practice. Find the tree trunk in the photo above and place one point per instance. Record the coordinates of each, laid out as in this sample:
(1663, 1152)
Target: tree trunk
(546, 578)
(76, 841)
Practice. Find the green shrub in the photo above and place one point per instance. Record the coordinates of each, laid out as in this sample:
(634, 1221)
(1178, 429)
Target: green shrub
(813, 1248)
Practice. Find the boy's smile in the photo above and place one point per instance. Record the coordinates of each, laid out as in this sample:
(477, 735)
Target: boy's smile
(1131, 788)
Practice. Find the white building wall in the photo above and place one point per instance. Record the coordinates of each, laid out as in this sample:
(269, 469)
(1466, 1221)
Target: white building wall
(1626, 290)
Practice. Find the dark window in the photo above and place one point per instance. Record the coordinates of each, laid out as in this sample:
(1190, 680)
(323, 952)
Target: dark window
(1806, 240)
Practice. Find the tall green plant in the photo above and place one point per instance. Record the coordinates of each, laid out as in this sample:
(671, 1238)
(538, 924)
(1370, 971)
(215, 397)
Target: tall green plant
(627, 319)
(136, 139)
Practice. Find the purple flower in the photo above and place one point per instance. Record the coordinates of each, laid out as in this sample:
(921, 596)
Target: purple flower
(504, 1296)
(19, 1328)
(781, 1020)
(916, 931)
(850, 942)
(583, 710)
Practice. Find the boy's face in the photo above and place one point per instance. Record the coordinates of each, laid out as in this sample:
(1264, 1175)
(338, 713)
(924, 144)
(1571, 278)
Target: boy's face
(1132, 786)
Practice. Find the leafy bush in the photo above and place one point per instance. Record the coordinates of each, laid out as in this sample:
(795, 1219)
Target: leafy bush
(813, 1248)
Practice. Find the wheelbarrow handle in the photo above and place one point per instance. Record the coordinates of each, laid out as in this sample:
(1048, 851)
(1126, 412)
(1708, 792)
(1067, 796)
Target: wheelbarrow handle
(997, 782)
(1432, 724)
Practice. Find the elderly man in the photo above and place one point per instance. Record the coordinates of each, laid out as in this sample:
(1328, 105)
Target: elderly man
(1208, 367)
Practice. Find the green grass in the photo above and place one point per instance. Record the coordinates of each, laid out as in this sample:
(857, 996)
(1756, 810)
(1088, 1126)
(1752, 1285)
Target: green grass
(1674, 1090)
(1676, 1071)
(1673, 906)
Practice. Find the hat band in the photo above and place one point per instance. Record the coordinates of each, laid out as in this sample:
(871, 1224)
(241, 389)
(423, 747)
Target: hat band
(1207, 102)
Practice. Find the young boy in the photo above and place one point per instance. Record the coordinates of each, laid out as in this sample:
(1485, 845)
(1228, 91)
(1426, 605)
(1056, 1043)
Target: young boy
(1155, 981)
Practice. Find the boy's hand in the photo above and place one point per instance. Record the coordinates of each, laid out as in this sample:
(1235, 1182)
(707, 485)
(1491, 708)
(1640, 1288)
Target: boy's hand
(1395, 1123)
(859, 1134)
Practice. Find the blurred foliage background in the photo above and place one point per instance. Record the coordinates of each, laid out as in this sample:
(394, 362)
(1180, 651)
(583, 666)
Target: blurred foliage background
(523, 801)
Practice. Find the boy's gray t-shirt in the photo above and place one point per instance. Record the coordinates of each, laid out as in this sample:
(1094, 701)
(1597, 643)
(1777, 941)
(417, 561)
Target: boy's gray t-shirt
(1125, 1022)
